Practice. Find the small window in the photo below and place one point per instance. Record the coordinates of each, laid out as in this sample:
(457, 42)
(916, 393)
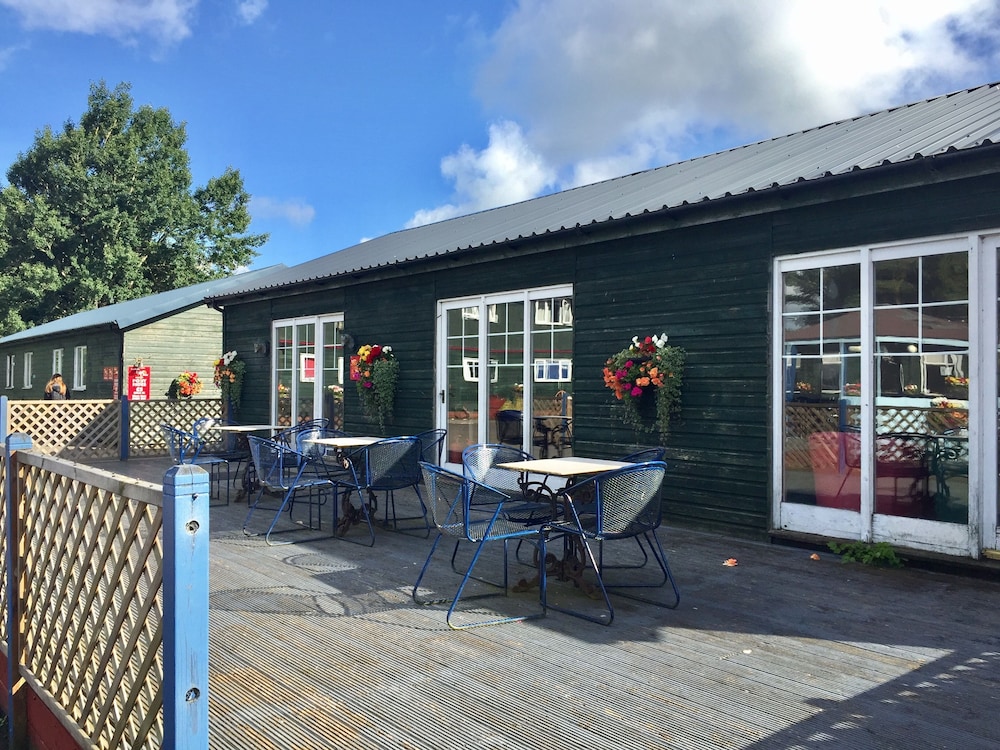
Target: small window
(470, 370)
(10, 371)
(28, 357)
(80, 368)
(553, 370)
(57, 361)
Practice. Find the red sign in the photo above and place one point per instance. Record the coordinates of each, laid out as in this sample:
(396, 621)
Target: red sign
(138, 383)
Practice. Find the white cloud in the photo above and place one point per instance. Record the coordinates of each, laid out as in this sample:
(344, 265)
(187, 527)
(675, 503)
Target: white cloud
(600, 89)
(506, 171)
(295, 212)
(164, 20)
(250, 10)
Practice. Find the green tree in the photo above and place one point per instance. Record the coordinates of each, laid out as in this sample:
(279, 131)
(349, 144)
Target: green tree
(104, 211)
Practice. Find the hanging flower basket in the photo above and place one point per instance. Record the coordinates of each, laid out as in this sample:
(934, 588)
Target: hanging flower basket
(228, 377)
(185, 385)
(647, 368)
(377, 371)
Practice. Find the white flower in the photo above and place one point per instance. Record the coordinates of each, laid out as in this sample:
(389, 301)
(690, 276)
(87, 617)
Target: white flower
(228, 357)
(660, 341)
(387, 349)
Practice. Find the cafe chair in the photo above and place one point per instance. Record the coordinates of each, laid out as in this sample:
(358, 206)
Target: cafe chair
(285, 483)
(509, 427)
(321, 460)
(383, 467)
(432, 445)
(456, 516)
(232, 454)
(619, 504)
(527, 502)
(646, 454)
(186, 448)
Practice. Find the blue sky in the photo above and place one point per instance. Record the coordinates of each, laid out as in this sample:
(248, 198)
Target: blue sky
(350, 119)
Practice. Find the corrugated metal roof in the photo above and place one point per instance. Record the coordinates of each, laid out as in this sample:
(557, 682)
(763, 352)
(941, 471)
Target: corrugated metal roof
(125, 315)
(958, 121)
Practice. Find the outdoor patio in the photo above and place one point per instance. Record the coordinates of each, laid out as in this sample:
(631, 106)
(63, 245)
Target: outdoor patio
(317, 644)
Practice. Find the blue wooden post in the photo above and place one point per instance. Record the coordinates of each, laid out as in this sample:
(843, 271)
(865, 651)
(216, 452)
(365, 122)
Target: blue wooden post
(185, 601)
(123, 438)
(17, 727)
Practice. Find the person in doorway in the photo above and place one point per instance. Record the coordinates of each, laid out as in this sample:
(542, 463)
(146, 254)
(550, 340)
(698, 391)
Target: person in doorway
(55, 389)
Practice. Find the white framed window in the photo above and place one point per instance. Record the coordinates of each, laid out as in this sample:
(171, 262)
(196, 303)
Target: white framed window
(553, 370)
(10, 371)
(308, 369)
(28, 358)
(80, 368)
(57, 361)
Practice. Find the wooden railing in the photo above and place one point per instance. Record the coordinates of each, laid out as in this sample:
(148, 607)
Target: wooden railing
(97, 637)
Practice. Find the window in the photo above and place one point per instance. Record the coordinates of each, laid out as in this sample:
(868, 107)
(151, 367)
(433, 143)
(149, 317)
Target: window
(10, 371)
(28, 357)
(57, 361)
(79, 368)
(524, 340)
(308, 374)
(553, 370)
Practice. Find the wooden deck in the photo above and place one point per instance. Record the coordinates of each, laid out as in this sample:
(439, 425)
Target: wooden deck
(317, 644)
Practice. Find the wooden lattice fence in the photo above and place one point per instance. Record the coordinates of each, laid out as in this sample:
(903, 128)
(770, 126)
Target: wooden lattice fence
(802, 420)
(98, 637)
(145, 417)
(90, 429)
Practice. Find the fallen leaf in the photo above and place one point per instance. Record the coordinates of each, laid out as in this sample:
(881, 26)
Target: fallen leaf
(814, 556)
(731, 562)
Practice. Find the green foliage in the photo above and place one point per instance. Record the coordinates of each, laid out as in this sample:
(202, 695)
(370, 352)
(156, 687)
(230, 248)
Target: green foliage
(647, 367)
(879, 554)
(103, 211)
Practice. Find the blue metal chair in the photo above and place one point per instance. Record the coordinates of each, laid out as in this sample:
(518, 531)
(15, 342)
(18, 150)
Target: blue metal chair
(284, 473)
(456, 516)
(232, 454)
(431, 445)
(529, 503)
(383, 467)
(186, 448)
(619, 504)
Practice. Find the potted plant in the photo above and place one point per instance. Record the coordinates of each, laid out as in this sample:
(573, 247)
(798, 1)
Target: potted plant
(378, 371)
(185, 385)
(647, 367)
(228, 377)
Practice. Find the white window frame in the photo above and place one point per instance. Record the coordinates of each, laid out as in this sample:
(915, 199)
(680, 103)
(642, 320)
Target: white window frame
(11, 366)
(300, 359)
(26, 369)
(80, 368)
(57, 361)
(865, 526)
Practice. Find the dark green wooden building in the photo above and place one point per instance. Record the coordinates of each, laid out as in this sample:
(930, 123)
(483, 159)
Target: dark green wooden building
(832, 289)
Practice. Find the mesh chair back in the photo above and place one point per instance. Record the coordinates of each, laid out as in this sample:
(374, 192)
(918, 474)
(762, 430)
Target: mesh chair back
(304, 438)
(509, 426)
(183, 446)
(626, 500)
(647, 454)
(480, 462)
(432, 445)
(446, 499)
(288, 435)
(454, 514)
(392, 464)
(276, 464)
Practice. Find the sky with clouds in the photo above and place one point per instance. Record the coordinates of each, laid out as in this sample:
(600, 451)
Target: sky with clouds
(350, 120)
